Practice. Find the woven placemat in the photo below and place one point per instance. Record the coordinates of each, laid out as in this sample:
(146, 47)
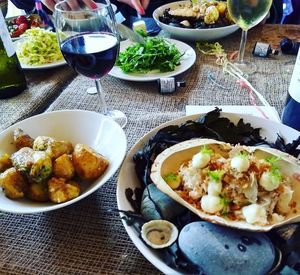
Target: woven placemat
(85, 238)
(43, 87)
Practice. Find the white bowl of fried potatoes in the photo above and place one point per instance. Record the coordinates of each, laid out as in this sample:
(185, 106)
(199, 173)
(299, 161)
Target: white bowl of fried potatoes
(54, 159)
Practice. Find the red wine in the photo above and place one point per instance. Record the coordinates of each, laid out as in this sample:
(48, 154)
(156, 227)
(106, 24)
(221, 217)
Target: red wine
(91, 54)
(291, 111)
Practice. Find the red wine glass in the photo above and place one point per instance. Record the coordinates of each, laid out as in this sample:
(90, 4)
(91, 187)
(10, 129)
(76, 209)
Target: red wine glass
(89, 42)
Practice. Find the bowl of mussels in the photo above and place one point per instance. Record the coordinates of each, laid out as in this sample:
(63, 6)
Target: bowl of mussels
(198, 20)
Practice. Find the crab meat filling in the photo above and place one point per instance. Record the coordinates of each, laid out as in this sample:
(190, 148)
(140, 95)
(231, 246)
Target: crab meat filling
(237, 185)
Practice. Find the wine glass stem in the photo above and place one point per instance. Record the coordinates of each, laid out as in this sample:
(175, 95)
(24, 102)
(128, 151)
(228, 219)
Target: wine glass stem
(242, 46)
(101, 95)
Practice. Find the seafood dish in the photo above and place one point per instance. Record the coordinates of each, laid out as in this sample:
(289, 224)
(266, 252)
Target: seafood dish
(199, 15)
(238, 186)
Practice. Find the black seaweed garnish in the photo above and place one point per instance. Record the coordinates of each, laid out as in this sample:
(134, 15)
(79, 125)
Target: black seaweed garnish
(130, 217)
(173, 257)
(212, 126)
(135, 203)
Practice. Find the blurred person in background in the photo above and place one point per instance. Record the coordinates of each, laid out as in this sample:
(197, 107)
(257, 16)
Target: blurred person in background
(28, 5)
(130, 8)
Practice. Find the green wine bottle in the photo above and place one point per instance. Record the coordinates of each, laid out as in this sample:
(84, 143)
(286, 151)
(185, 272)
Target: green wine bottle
(12, 78)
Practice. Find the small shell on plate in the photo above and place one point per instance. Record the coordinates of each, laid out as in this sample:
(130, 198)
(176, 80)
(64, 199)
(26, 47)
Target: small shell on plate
(170, 160)
(159, 233)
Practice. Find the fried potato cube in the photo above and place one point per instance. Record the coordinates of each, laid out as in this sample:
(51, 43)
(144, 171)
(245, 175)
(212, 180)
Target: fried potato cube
(36, 165)
(61, 190)
(58, 148)
(22, 139)
(63, 167)
(23, 159)
(89, 165)
(41, 168)
(13, 183)
(54, 148)
(41, 143)
(38, 192)
(5, 162)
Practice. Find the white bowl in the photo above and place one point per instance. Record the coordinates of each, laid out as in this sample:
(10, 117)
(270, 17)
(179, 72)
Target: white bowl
(191, 34)
(77, 126)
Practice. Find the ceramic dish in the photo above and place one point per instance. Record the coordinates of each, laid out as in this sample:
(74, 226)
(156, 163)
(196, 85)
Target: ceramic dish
(128, 179)
(191, 34)
(187, 60)
(77, 126)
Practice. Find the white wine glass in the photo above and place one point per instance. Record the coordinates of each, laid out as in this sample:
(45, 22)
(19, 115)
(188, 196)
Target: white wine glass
(247, 14)
(89, 42)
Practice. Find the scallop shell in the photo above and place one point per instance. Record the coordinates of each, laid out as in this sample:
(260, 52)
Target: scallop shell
(172, 158)
(159, 233)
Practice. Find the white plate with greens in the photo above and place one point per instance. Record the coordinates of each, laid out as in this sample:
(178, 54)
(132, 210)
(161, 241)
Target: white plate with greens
(186, 61)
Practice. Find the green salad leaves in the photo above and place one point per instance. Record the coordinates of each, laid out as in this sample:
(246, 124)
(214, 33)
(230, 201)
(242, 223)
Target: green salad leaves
(155, 54)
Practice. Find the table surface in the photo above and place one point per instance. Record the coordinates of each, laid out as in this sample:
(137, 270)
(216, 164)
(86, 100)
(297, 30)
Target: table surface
(85, 238)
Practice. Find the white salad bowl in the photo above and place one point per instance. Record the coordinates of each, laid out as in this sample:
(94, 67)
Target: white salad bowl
(100, 133)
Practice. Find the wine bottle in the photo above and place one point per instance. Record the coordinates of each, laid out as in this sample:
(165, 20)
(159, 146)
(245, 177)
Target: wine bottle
(12, 78)
(291, 111)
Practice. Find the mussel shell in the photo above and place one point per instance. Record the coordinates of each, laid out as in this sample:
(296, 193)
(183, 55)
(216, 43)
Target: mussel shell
(172, 158)
(163, 233)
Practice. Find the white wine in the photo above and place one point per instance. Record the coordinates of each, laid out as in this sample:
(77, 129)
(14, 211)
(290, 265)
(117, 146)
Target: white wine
(248, 13)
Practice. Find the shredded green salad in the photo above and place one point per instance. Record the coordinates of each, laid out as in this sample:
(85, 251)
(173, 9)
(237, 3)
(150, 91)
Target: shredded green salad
(155, 54)
(38, 47)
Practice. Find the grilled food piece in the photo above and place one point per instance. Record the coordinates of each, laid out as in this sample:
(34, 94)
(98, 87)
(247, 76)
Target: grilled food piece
(13, 183)
(38, 192)
(36, 165)
(61, 190)
(54, 148)
(89, 165)
(63, 167)
(5, 162)
(22, 139)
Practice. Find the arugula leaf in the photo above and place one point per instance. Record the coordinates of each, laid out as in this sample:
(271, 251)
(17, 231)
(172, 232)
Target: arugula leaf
(155, 54)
